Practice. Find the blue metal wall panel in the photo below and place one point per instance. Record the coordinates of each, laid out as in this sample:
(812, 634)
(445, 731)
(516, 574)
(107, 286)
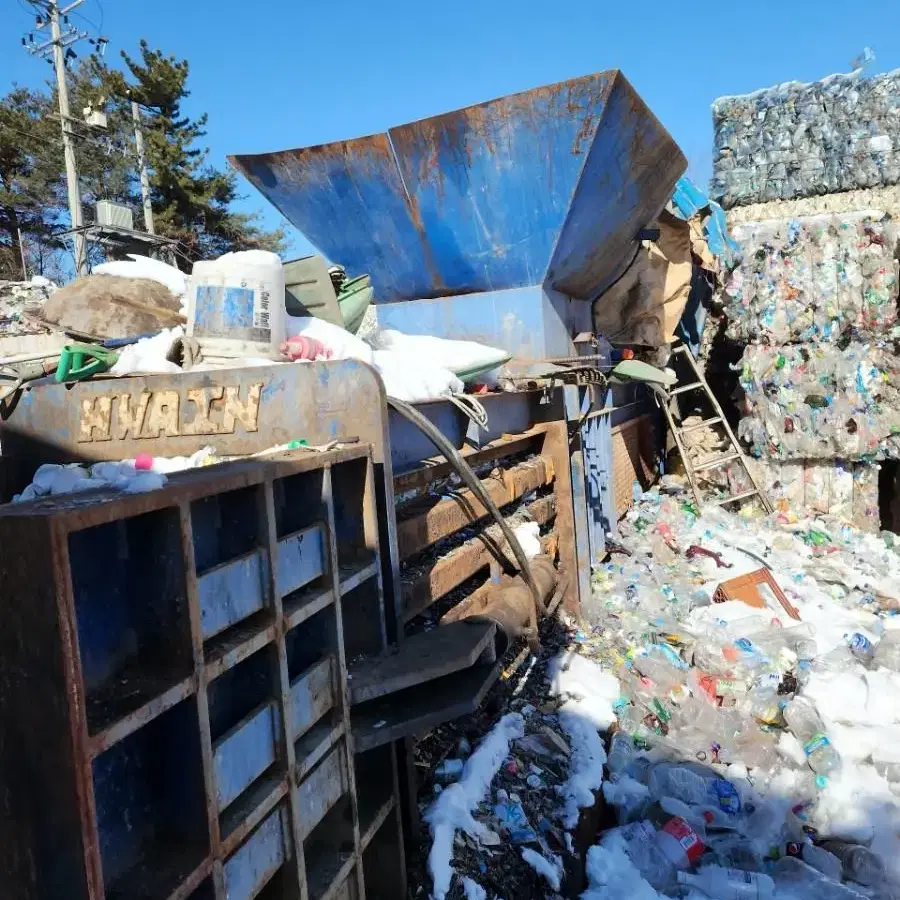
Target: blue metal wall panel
(507, 414)
(512, 320)
(254, 864)
(245, 753)
(231, 592)
(348, 198)
(529, 322)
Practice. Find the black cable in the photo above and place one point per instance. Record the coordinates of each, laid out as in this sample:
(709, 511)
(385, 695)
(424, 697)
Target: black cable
(455, 458)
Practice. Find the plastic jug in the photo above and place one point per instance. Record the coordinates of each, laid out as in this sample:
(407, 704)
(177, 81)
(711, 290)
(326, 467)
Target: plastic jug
(236, 305)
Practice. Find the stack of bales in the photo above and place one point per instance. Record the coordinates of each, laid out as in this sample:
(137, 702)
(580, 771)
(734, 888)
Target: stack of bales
(815, 297)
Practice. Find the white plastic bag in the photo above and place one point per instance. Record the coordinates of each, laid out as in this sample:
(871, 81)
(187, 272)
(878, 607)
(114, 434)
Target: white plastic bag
(414, 380)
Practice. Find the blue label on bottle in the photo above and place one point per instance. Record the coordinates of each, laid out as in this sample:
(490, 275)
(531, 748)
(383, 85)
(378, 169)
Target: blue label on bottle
(726, 796)
(817, 742)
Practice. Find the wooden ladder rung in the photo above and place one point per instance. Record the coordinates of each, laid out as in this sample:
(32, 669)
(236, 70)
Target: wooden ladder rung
(736, 497)
(715, 420)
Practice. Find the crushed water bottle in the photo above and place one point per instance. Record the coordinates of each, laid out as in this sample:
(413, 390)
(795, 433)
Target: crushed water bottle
(860, 864)
(807, 727)
(621, 754)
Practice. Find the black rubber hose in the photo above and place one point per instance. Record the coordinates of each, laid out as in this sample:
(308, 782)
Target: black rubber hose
(455, 458)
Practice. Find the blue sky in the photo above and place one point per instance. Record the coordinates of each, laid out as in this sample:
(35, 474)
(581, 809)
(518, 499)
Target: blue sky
(275, 74)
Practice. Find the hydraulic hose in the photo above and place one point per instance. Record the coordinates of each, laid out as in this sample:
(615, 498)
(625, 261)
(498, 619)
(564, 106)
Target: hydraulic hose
(455, 458)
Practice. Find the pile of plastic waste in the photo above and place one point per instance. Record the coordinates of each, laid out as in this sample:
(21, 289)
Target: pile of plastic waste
(758, 746)
(20, 303)
(802, 140)
(813, 279)
(821, 401)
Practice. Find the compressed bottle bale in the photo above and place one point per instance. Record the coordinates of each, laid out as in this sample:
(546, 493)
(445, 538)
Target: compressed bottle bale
(821, 402)
(808, 487)
(802, 140)
(814, 279)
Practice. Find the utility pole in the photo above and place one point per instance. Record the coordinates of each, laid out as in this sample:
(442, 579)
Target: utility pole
(57, 44)
(142, 164)
(22, 254)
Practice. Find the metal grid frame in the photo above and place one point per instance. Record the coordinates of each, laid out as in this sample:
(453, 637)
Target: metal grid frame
(238, 864)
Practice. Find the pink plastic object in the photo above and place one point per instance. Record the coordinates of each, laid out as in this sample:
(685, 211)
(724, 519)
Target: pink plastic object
(143, 462)
(300, 347)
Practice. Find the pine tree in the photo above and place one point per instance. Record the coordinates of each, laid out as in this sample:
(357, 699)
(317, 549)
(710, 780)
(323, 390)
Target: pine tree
(30, 162)
(191, 199)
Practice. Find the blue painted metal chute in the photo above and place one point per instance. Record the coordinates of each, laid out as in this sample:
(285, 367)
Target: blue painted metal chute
(545, 187)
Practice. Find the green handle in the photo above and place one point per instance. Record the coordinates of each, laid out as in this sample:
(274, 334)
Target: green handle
(80, 361)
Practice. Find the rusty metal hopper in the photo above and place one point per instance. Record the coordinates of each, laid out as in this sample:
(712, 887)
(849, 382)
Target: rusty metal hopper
(549, 186)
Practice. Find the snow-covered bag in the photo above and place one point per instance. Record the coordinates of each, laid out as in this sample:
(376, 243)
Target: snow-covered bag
(336, 340)
(464, 358)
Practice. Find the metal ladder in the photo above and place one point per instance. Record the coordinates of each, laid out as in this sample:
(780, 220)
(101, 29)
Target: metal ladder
(670, 408)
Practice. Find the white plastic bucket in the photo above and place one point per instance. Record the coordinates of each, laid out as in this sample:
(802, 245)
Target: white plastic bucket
(236, 304)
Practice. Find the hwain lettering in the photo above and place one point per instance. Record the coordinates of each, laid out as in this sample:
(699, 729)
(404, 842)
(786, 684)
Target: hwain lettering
(153, 414)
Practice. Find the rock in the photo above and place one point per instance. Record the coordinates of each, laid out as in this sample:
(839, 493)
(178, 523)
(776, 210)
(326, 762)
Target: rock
(103, 306)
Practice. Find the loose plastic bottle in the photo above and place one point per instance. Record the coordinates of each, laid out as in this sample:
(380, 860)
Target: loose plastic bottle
(659, 854)
(860, 864)
(621, 753)
(807, 727)
(803, 880)
(730, 884)
(690, 786)
(819, 858)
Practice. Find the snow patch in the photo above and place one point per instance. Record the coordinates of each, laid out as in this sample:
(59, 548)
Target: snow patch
(453, 807)
(551, 869)
(593, 691)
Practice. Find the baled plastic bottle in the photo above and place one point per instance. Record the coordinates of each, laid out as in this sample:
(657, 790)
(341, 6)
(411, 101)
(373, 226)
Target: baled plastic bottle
(887, 653)
(807, 727)
(730, 884)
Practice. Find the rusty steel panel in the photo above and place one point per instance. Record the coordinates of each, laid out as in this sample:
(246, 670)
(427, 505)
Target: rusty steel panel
(420, 658)
(549, 185)
(147, 760)
(463, 507)
(235, 411)
(435, 468)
